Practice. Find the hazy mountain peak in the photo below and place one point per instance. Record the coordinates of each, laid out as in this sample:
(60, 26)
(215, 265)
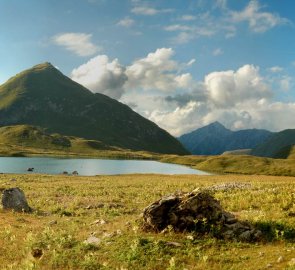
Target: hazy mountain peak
(214, 139)
(216, 125)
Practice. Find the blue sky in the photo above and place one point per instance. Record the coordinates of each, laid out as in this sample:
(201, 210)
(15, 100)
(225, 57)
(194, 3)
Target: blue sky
(180, 63)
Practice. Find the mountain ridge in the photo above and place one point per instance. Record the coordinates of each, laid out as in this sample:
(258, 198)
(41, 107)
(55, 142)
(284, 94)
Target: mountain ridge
(215, 139)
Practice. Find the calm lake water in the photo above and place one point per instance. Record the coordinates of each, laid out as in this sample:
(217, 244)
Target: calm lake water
(90, 166)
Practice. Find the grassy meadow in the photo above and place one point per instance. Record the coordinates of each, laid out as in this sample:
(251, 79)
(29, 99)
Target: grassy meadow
(69, 209)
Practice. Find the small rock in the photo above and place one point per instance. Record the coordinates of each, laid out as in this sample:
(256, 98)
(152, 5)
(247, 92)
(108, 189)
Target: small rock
(52, 222)
(173, 244)
(37, 253)
(99, 222)
(269, 265)
(280, 259)
(92, 240)
(190, 237)
(13, 180)
(261, 254)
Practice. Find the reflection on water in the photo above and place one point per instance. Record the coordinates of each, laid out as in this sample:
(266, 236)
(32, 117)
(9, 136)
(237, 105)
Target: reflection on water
(90, 166)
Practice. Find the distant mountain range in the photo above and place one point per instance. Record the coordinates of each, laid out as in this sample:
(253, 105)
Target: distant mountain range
(43, 96)
(215, 139)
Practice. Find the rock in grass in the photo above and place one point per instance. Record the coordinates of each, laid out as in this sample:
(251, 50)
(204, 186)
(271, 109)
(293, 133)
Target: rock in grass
(92, 240)
(14, 199)
(198, 212)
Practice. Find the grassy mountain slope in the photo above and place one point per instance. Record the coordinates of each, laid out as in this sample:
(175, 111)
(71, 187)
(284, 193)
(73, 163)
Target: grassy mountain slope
(236, 164)
(22, 140)
(215, 139)
(43, 96)
(277, 145)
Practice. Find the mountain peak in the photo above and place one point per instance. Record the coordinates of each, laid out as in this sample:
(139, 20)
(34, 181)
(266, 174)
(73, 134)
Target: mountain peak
(43, 66)
(216, 124)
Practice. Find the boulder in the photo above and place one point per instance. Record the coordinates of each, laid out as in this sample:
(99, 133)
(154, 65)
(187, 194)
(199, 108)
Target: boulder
(14, 198)
(198, 212)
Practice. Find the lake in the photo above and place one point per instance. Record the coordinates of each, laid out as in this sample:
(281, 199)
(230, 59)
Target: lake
(89, 167)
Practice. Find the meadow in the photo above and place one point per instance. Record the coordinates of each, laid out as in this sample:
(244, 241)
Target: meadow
(69, 209)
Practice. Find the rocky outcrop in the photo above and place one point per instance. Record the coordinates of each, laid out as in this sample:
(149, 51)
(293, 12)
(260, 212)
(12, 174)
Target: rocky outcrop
(199, 212)
(14, 199)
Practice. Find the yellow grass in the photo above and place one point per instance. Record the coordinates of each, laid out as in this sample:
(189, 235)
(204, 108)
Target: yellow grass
(65, 207)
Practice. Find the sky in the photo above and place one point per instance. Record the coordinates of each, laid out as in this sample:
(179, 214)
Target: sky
(181, 63)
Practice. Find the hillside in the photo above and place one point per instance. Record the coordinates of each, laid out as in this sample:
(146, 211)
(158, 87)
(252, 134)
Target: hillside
(279, 145)
(215, 139)
(43, 96)
(25, 140)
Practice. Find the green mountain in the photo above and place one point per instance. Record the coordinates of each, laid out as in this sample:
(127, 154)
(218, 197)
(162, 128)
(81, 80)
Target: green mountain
(43, 96)
(279, 145)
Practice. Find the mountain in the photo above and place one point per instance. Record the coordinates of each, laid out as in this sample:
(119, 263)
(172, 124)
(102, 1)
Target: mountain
(279, 145)
(215, 139)
(43, 96)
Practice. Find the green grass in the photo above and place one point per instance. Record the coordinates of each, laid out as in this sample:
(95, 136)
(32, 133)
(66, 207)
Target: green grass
(236, 164)
(74, 203)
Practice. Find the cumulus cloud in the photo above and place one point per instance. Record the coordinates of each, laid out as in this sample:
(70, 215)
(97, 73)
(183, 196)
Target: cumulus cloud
(258, 20)
(78, 43)
(126, 22)
(156, 88)
(157, 71)
(227, 88)
(101, 75)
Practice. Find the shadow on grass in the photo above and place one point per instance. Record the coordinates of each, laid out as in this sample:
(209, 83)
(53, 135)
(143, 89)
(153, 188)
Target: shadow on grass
(272, 231)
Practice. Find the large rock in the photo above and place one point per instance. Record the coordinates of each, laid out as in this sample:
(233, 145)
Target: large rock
(14, 198)
(197, 211)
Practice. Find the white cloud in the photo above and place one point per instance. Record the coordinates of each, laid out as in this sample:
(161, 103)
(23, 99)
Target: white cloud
(191, 62)
(100, 75)
(126, 22)
(78, 43)
(285, 83)
(227, 88)
(258, 20)
(156, 88)
(275, 69)
(188, 17)
(149, 11)
(177, 27)
(217, 52)
(156, 71)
